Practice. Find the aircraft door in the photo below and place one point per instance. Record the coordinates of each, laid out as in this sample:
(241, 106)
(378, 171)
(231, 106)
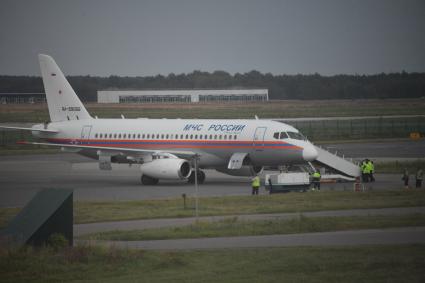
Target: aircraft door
(259, 138)
(85, 132)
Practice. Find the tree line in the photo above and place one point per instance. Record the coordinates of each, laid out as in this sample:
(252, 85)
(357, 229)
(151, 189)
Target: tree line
(315, 86)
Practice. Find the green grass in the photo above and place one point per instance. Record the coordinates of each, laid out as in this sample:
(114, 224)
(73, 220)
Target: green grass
(393, 263)
(232, 227)
(88, 212)
(397, 167)
(271, 109)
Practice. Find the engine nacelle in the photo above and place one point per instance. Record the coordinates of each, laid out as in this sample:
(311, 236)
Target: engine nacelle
(246, 170)
(167, 168)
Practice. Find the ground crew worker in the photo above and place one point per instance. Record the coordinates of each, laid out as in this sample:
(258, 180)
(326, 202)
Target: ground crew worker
(405, 178)
(316, 180)
(372, 170)
(363, 170)
(419, 177)
(255, 185)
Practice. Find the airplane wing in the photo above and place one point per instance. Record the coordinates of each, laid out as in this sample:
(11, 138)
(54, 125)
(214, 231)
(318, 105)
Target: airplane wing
(183, 154)
(30, 129)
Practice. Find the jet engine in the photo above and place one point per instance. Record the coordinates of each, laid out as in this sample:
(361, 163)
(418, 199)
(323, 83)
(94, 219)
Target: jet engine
(247, 170)
(166, 168)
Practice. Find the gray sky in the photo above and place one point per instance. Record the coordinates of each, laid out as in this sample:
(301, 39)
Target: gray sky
(94, 37)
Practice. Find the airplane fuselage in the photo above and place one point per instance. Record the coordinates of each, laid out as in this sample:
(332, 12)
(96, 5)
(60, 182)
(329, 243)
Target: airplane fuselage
(214, 140)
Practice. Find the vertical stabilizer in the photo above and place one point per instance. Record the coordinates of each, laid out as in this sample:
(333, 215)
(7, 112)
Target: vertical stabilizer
(62, 101)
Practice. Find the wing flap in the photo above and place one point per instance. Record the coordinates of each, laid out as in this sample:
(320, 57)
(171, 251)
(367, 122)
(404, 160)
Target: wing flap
(116, 149)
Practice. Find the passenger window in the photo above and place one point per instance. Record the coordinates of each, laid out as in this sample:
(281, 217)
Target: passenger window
(157, 136)
(219, 137)
(119, 136)
(124, 136)
(215, 137)
(210, 137)
(115, 136)
(95, 136)
(196, 137)
(110, 136)
(191, 137)
(283, 135)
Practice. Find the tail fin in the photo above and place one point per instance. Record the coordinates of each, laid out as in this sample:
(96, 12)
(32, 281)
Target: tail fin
(62, 101)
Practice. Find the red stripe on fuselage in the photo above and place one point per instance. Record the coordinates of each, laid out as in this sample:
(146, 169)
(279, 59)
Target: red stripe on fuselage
(176, 143)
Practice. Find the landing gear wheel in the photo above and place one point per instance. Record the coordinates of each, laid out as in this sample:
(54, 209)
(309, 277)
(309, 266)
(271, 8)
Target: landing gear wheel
(146, 180)
(201, 177)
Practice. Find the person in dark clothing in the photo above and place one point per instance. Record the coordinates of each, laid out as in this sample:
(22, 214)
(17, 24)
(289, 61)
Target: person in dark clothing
(405, 178)
(419, 177)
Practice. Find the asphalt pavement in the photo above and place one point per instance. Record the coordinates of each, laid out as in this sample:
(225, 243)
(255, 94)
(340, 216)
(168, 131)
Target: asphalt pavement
(395, 236)
(21, 177)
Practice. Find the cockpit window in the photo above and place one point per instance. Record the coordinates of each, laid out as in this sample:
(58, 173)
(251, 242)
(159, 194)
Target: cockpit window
(276, 135)
(296, 136)
(283, 135)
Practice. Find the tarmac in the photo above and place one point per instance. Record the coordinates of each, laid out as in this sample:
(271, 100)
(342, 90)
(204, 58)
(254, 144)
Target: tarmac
(21, 177)
(394, 236)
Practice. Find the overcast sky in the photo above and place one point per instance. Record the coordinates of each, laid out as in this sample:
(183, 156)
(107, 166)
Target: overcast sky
(138, 38)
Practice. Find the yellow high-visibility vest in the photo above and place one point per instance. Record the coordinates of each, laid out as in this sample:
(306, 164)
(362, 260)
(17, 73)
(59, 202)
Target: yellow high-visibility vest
(256, 182)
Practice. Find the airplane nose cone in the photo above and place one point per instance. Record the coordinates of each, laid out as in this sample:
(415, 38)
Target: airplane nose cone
(309, 153)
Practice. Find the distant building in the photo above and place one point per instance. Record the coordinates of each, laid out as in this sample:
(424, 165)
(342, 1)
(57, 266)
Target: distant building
(21, 98)
(184, 96)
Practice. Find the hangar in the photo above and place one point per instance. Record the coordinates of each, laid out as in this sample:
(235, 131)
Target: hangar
(182, 96)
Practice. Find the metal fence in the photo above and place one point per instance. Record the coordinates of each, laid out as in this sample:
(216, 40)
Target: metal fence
(358, 128)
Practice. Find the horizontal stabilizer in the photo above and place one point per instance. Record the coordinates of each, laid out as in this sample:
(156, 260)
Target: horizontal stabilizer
(30, 129)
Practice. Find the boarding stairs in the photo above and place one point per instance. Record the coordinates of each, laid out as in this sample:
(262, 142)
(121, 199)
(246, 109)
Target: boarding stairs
(338, 164)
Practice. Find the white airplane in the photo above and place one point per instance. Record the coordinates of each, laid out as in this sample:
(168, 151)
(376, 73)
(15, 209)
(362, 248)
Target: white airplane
(165, 148)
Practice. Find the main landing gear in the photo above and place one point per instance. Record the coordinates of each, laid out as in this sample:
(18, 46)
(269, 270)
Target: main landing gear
(146, 180)
(201, 177)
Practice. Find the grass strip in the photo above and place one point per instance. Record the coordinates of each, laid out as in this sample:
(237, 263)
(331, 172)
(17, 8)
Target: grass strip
(397, 167)
(270, 109)
(232, 227)
(390, 263)
(89, 212)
